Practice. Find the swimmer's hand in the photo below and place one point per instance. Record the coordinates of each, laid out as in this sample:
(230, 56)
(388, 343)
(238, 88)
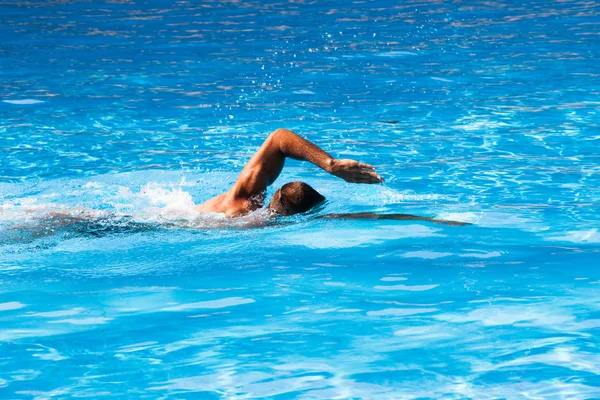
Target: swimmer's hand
(354, 171)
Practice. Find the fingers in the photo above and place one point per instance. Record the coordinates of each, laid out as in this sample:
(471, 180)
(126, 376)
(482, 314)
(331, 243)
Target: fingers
(357, 172)
(365, 177)
(374, 177)
(365, 180)
(365, 166)
(353, 164)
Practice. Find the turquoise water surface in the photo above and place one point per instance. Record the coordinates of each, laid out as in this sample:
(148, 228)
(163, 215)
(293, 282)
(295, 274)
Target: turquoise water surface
(484, 112)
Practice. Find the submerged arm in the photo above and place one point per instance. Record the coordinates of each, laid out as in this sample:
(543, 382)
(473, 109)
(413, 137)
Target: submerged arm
(395, 217)
(266, 165)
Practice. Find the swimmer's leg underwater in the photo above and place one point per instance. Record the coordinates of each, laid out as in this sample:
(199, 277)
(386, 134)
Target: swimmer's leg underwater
(393, 217)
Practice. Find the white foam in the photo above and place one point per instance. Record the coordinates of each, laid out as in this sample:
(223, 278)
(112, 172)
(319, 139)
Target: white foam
(23, 102)
(156, 201)
(153, 203)
(11, 305)
(171, 205)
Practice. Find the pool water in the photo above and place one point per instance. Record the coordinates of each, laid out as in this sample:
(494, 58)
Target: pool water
(483, 112)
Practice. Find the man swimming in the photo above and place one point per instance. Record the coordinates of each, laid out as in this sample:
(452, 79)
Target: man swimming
(248, 192)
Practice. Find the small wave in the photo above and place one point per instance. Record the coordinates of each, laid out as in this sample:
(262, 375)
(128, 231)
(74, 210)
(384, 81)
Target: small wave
(581, 236)
(384, 195)
(23, 101)
(395, 54)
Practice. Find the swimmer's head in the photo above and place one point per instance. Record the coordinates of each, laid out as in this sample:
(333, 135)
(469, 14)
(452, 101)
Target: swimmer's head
(294, 198)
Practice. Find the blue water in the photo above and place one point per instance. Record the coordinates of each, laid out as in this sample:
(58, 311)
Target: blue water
(485, 112)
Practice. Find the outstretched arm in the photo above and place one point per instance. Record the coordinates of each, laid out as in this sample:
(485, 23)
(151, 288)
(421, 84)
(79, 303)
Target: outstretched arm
(266, 165)
(395, 217)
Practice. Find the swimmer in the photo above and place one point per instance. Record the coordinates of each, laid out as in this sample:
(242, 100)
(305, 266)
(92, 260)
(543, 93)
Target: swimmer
(248, 192)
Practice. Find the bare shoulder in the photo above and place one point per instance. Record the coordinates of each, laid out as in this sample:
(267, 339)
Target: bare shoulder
(231, 205)
(215, 205)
